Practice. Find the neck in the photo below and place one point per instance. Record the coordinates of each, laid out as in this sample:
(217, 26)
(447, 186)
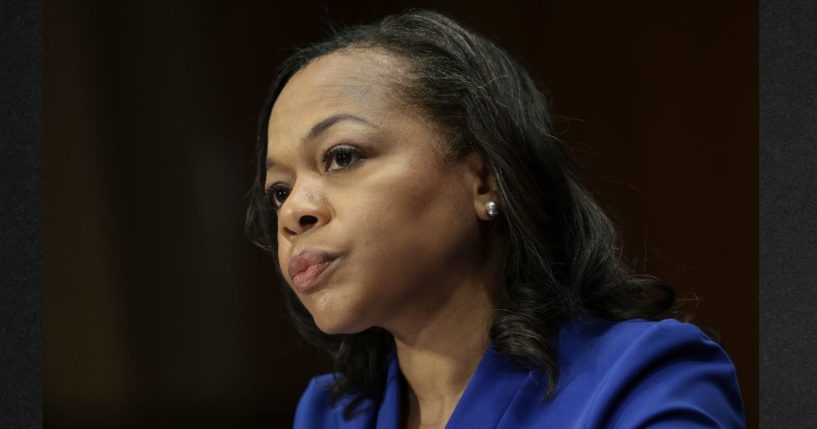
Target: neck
(438, 360)
(440, 343)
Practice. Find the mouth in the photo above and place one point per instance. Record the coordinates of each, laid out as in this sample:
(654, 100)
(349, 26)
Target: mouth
(307, 268)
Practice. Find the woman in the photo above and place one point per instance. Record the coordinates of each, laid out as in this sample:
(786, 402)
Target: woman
(437, 243)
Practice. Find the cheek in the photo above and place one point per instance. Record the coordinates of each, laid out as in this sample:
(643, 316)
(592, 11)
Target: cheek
(412, 224)
(407, 192)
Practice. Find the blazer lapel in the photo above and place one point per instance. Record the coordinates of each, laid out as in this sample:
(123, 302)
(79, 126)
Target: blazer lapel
(388, 416)
(490, 391)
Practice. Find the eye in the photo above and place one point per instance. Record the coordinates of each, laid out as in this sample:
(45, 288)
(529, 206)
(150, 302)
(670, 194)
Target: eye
(341, 157)
(277, 194)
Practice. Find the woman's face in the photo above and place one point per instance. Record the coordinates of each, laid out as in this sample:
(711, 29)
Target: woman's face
(373, 228)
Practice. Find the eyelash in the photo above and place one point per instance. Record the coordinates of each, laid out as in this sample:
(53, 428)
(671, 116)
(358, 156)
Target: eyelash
(327, 156)
(341, 149)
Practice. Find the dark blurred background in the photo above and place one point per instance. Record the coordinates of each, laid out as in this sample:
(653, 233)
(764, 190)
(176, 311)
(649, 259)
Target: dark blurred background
(159, 313)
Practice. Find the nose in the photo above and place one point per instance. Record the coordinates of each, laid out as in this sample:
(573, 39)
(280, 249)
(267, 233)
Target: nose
(304, 209)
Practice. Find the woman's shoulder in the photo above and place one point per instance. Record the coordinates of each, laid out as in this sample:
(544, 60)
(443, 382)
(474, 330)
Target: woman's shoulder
(614, 345)
(315, 408)
(636, 372)
(319, 390)
(616, 333)
(621, 333)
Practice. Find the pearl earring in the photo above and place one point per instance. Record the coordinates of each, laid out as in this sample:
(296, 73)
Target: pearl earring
(492, 209)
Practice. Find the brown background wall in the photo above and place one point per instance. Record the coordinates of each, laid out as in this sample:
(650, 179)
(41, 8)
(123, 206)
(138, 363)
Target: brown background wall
(157, 311)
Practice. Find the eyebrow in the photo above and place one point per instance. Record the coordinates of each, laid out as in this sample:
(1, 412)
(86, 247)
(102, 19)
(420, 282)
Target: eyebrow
(322, 126)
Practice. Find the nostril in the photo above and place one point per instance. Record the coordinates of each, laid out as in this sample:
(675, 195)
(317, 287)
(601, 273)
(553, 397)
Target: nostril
(308, 220)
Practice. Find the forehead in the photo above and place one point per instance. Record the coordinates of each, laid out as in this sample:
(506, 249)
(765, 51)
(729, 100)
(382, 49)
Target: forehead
(356, 82)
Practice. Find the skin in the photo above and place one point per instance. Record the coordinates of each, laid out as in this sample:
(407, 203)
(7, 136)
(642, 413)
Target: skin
(418, 256)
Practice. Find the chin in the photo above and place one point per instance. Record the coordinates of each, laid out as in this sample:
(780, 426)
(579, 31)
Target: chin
(338, 311)
(333, 324)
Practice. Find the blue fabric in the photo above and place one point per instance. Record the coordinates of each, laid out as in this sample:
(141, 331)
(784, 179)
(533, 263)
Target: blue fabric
(629, 374)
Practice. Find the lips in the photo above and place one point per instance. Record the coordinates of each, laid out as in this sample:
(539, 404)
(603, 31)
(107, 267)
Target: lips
(305, 268)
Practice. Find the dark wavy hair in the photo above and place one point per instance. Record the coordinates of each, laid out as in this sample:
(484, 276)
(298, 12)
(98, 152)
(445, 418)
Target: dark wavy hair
(564, 259)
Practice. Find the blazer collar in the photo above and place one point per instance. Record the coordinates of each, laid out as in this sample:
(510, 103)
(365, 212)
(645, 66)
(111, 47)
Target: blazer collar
(496, 377)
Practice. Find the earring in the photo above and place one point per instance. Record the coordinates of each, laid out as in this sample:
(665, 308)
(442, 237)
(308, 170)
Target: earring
(492, 209)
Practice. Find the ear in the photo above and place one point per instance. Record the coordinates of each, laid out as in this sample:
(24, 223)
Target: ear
(481, 181)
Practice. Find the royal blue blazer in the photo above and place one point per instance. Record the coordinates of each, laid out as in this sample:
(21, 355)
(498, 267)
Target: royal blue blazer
(629, 374)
